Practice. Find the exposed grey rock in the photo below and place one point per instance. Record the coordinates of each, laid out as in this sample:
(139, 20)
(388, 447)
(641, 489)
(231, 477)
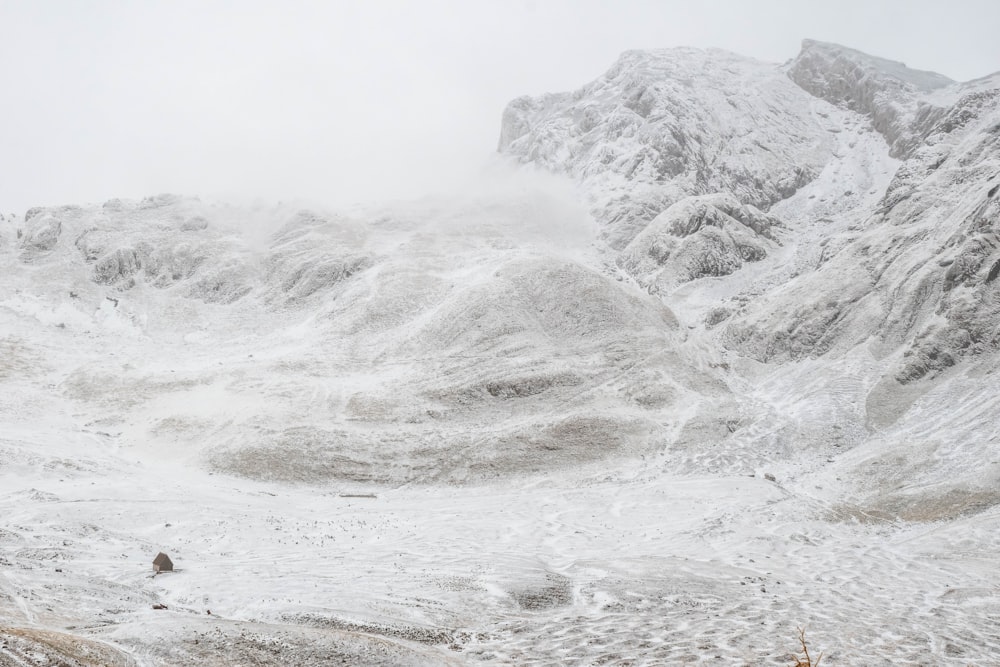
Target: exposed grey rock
(224, 285)
(313, 275)
(970, 259)
(717, 316)
(886, 91)
(93, 243)
(117, 205)
(917, 277)
(32, 212)
(167, 264)
(118, 267)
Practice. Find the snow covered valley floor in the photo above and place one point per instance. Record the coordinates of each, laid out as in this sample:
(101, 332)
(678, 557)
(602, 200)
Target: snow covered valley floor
(627, 566)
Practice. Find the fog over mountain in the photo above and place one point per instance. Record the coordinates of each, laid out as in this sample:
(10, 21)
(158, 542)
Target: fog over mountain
(708, 354)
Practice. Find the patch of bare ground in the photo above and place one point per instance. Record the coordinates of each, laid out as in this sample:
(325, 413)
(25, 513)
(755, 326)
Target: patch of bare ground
(918, 508)
(311, 455)
(412, 633)
(26, 647)
(17, 359)
(224, 643)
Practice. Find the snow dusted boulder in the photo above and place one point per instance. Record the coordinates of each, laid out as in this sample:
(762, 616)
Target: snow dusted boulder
(117, 204)
(888, 92)
(663, 125)
(93, 243)
(710, 235)
(41, 232)
(118, 267)
(173, 262)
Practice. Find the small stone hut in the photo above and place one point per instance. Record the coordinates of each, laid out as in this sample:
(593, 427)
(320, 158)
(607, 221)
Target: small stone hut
(162, 563)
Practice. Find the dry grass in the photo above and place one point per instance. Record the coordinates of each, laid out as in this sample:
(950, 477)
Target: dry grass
(805, 660)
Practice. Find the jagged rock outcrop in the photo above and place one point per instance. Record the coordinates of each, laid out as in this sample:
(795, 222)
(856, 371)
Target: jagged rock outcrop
(118, 267)
(706, 236)
(307, 257)
(224, 282)
(888, 92)
(41, 232)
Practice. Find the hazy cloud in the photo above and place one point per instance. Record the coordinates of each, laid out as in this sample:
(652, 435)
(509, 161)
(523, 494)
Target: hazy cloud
(344, 101)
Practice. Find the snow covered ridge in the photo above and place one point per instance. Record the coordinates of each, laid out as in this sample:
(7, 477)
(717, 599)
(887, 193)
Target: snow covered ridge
(370, 348)
(888, 92)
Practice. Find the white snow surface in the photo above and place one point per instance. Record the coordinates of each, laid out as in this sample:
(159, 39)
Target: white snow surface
(731, 373)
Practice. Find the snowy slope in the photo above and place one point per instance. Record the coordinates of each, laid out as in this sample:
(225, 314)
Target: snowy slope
(358, 349)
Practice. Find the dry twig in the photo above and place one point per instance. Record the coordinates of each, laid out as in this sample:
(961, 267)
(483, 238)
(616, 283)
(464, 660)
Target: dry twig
(805, 660)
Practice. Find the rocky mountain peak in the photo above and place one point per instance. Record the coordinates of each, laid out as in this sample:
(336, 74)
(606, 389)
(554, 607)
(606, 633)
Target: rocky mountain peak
(663, 125)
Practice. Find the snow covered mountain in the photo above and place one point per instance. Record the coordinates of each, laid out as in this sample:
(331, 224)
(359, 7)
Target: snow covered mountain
(861, 258)
(736, 377)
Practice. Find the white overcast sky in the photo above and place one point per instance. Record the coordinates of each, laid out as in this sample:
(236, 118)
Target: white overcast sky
(349, 101)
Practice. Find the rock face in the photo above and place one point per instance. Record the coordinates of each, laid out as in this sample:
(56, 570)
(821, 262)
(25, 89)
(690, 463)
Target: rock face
(495, 427)
(663, 125)
(917, 276)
